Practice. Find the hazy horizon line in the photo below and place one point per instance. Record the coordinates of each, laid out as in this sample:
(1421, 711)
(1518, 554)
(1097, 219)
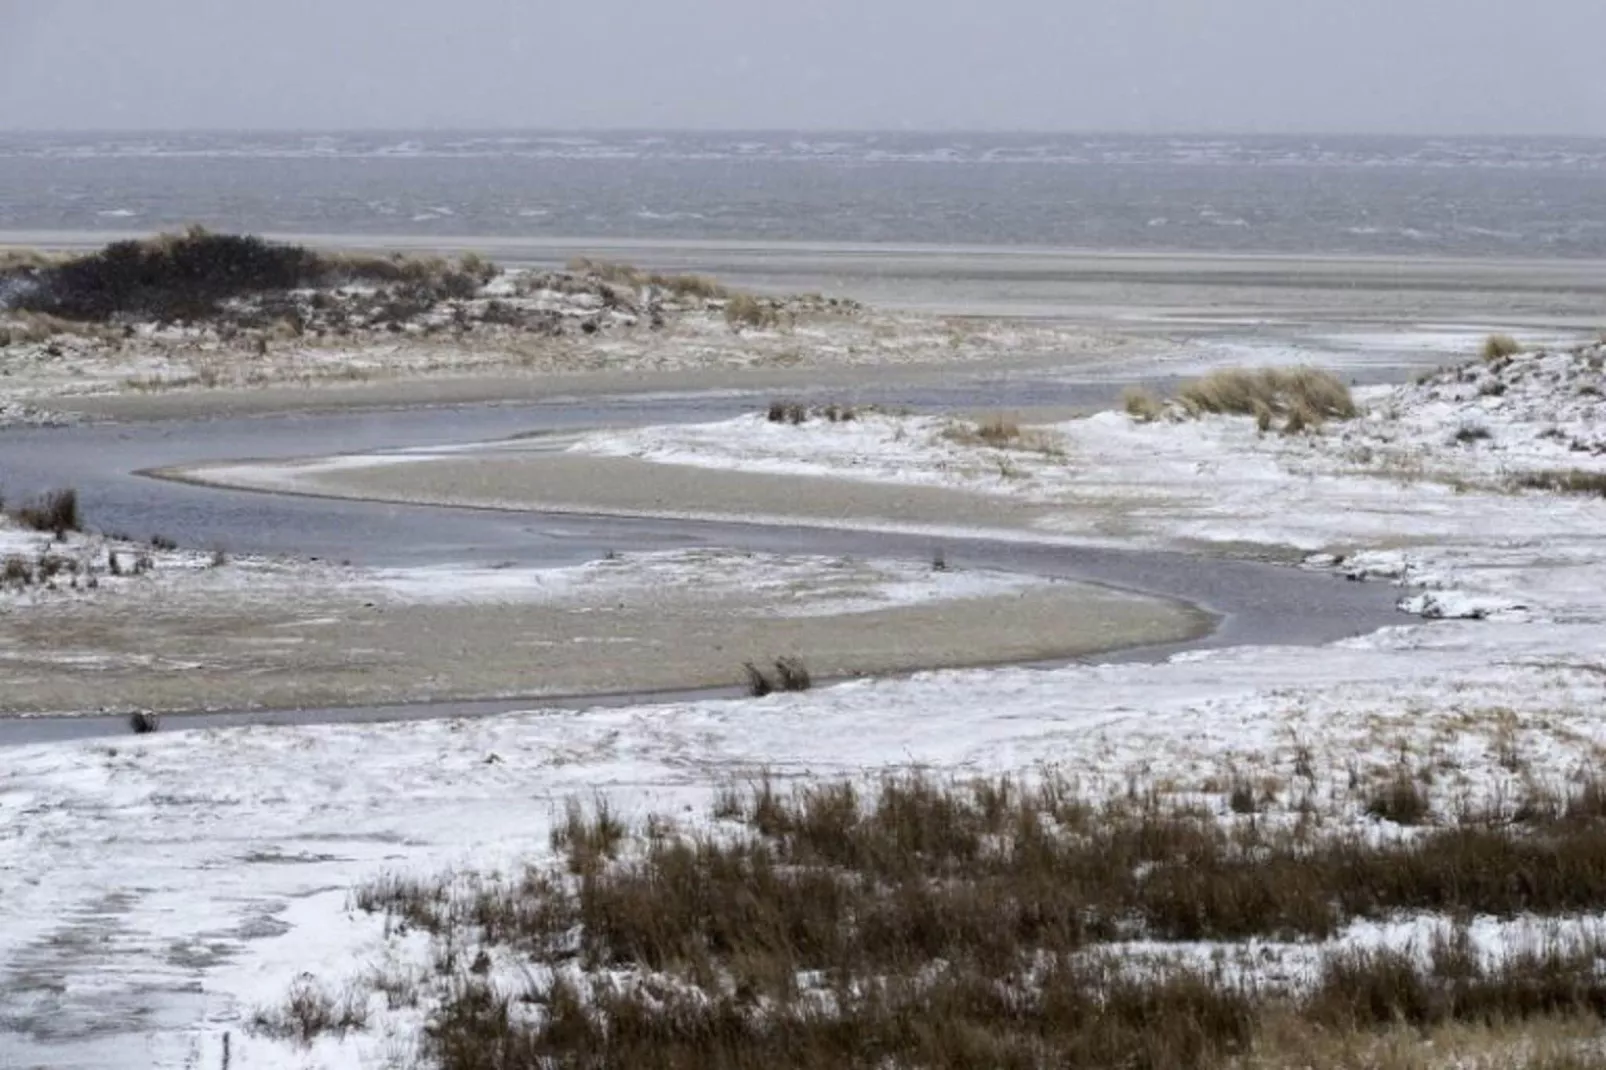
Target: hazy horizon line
(314, 131)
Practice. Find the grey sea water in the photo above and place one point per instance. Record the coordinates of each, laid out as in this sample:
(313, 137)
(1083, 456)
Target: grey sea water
(1392, 196)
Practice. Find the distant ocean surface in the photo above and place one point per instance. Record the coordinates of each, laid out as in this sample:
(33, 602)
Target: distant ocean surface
(1478, 198)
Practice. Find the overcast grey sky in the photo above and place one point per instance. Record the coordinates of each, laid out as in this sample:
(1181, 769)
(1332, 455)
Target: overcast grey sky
(1424, 66)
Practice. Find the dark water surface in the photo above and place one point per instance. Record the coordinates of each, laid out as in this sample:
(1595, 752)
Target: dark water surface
(1542, 198)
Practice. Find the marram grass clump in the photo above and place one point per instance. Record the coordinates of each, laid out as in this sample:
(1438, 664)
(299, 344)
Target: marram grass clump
(1303, 398)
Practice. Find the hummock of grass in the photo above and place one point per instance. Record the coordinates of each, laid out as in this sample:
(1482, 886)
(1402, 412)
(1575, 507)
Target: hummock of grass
(1303, 397)
(924, 923)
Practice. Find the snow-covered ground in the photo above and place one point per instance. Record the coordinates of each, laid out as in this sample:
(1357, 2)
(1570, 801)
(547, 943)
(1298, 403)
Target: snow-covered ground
(41, 567)
(767, 585)
(165, 887)
(168, 886)
(1427, 482)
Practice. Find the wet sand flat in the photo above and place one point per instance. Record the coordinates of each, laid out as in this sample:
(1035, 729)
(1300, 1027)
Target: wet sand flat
(555, 482)
(311, 648)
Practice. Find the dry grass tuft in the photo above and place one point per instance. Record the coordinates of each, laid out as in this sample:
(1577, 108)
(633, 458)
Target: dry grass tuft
(1305, 397)
(1500, 347)
(684, 286)
(610, 271)
(758, 684)
(309, 1012)
(589, 840)
(690, 287)
(1401, 798)
(1565, 481)
(788, 412)
(917, 922)
(419, 279)
(797, 413)
(998, 432)
(22, 260)
(792, 675)
(747, 311)
(1141, 405)
(33, 327)
(1001, 433)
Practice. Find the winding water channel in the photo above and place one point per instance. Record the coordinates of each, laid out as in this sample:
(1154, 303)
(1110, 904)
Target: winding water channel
(1254, 602)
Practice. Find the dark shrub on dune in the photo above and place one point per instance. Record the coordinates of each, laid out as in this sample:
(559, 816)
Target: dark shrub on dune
(187, 277)
(174, 277)
(56, 512)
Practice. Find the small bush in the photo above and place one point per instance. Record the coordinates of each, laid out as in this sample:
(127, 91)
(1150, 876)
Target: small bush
(55, 512)
(169, 277)
(792, 675)
(1500, 347)
(190, 276)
